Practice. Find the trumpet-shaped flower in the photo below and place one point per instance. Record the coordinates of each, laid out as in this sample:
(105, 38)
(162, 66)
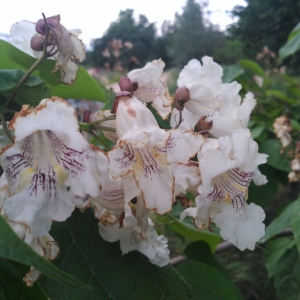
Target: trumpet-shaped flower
(144, 156)
(142, 238)
(66, 42)
(44, 246)
(220, 103)
(50, 167)
(150, 88)
(227, 166)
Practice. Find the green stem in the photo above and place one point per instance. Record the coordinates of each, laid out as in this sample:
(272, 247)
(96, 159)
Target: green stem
(102, 119)
(93, 134)
(104, 128)
(21, 82)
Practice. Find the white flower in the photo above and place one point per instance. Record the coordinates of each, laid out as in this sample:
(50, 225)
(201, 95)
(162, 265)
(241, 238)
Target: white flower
(144, 155)
(150, 88)
(70, 47)
(227, 166)
(220, 103)
(50, 167)
(241, 228)
(44, 246)
(142, 238)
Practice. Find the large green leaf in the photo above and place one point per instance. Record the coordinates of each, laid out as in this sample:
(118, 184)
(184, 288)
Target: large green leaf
(274, 251)
(280, 223)
(13, 248)
(101, 265)
(230, 72)
(13, 287)
(252, 66)
(33, 90)
(287, 276)
(84, 87)
(275, 159)
(206, 282)
(200, 251)
(292, 45)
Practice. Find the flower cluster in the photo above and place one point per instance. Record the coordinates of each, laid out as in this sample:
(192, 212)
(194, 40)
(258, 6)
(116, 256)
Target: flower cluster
(51, 169)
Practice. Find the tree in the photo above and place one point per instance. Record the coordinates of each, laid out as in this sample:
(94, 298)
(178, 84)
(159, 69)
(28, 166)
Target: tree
(190, 38)
(126, 43)
(264, 23)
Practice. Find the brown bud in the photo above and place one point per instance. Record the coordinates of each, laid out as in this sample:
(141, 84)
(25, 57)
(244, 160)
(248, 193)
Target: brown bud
(182, 95)
(117, 98)
(51, 21)
(203, 126)
(126, 84)
(86, 116)
(37, 42)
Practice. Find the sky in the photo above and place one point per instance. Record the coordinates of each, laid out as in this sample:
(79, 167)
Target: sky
(93, 17)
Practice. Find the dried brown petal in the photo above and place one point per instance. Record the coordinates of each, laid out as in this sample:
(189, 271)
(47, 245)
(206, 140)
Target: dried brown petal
(202, 126)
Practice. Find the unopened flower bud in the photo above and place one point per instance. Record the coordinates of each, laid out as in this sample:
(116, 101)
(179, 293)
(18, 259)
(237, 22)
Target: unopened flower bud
(52, 21)
(202, 126)
(182, 95)
(37, 42)
(126, 84)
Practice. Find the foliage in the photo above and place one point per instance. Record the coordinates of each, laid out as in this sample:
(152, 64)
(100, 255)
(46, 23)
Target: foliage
(126, 44)
(264, 23)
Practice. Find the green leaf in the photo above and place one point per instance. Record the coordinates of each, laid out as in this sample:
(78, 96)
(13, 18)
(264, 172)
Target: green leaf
(10, 78)
(296, 222)
(230, 72)
(252, 66)
(187, 229)
(280, 223)
(32, 91)
(206, 282)
(84, 87)
(276, 159)
(263, 194)
(13, 248)
(281, 96)
(274, 251)
(292, 45)
(200, 251)
(257, 131)
(101, 264)
(13, 287)
(287, 276)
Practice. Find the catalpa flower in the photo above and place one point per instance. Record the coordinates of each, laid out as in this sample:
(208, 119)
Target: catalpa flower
(142, 238)
(144, 156)
(29, 37)
(145, 84)
(50, 167)
(44, 246)
(202, 94)
(227, 167)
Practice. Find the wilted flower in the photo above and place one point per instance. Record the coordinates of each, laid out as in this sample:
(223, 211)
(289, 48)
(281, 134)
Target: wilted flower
(282, 129)
(69, 47)
(143, 237)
